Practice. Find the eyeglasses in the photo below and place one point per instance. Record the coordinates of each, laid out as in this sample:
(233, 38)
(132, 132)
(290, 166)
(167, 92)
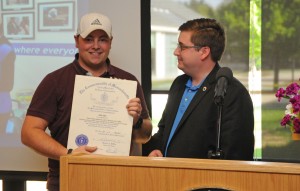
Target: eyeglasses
(184, 47)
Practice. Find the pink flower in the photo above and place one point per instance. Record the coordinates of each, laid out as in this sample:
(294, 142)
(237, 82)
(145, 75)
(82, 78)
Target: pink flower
(295, 101)
(292, 114)
(296, 124)
(280, 93)
(292, 89)
(285, 120)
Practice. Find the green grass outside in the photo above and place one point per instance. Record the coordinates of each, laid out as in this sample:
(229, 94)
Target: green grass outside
(273, 134)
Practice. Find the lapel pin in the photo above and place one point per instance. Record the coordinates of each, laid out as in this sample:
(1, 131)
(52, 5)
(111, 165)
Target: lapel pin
(204, 88)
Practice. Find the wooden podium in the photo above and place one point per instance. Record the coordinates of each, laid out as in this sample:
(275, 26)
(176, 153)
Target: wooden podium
(109, 173)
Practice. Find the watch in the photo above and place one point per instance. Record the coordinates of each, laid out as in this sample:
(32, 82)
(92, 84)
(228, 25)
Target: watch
(138, 124)
(70, 151)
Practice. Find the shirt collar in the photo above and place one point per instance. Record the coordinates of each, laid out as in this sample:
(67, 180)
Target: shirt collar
(190, 86)
(109, 73)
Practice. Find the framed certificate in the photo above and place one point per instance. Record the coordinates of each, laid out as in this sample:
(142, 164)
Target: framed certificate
(18, 25)
(99, 116)
(58, 16)
(17, 5)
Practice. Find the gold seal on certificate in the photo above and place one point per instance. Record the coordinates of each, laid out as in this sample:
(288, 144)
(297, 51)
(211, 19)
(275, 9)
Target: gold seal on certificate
(99, 116)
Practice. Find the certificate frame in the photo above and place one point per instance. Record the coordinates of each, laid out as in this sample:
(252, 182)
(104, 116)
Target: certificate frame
(18, 25)
(17, 5)
(56, 16)
(99, 116)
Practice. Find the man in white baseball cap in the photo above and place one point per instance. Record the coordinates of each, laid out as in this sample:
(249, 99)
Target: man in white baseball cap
(52, 102)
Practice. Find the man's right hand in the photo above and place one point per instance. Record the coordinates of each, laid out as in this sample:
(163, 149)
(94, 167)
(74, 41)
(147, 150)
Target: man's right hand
(155, 153)
(85, 149)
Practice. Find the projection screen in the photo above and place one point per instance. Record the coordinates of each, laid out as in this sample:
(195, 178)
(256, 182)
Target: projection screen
(46, 44)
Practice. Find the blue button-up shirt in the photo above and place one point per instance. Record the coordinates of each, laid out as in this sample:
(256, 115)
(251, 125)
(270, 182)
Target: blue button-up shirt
(186, 99)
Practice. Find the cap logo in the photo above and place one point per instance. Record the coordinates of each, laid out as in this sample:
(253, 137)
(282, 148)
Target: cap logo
(96, 22)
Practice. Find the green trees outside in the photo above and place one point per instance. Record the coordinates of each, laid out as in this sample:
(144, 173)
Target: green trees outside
(273, 34)
(235, 17)
(280, 37)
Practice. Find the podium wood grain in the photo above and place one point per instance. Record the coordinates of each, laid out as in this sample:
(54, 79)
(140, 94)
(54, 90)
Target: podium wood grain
(110, 173)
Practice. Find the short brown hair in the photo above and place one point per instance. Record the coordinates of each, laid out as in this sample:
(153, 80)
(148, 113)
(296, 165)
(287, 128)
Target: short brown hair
(207, 32)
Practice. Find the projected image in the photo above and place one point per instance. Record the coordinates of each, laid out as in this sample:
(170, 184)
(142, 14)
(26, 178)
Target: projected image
(19, 107)
(17, 4)
(37, 53)
(56, 16)
(18, 25)
(7, 66)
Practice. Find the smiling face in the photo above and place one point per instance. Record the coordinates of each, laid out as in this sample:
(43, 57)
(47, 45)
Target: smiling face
(93, 50)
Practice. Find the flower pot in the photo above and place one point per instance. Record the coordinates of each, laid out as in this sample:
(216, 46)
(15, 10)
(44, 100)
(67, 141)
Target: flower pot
(296, 136)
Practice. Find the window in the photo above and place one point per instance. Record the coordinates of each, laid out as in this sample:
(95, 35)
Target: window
(263, 56)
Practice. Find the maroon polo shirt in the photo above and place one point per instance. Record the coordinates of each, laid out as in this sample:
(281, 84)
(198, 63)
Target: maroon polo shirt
(52, 101)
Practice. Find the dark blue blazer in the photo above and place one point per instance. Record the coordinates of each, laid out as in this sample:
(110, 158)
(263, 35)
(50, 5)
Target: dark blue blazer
(196, 133)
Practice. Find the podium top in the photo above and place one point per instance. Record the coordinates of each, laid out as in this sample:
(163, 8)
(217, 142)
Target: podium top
(184, 163)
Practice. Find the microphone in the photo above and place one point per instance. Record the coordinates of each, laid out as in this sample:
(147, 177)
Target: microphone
(224, 77)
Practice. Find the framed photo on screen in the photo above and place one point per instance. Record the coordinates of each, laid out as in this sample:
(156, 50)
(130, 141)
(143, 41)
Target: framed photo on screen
(17, 4)
(18, 25)
(58, 16)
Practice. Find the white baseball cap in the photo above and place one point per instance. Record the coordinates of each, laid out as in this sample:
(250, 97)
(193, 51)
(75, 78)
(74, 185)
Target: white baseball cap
(94, 21)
